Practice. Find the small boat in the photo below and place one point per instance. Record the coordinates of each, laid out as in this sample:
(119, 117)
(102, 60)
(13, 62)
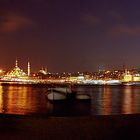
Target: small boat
(113, 82)
(128, 83)
(61, 93)
(61, 90)
(83, 96)
(56, 96)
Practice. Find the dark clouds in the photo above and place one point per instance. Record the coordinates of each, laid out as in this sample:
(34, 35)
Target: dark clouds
(11, 22)
(125, 30)
(70, 35)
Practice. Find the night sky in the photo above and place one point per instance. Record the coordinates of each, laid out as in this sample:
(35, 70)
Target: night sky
(70, 35)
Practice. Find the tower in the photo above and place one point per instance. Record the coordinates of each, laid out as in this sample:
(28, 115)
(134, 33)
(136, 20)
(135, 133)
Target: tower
(29, 69)
(16, 65)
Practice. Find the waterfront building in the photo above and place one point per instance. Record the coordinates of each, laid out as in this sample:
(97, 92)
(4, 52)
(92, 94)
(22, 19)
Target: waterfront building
(128, 78)
(17, 74)
(43, 71)
(136, 78)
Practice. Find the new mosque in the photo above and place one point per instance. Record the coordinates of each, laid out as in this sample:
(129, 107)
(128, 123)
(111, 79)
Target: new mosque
(18, 75)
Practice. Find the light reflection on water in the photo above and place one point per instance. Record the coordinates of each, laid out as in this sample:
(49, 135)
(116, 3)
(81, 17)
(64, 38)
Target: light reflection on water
(105, 100)
(22, 100)
(116, 100)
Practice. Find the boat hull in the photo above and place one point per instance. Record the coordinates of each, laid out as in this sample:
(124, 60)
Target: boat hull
(54, 96)
(83, 97)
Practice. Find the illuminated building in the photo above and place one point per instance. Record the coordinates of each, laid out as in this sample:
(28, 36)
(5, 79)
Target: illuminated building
(136, 78)
(16, 72)
(17, 75)
(128, 78)
(43, 71)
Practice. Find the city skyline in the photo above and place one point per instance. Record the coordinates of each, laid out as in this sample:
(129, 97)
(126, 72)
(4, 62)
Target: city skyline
(28, 68)
(70, 35)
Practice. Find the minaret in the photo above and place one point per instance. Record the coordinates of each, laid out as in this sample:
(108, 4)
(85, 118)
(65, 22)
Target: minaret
(29, 69)
(16, 65)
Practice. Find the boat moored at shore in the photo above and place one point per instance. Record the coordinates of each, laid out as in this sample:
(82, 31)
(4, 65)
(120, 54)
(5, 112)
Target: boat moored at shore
(60, 93)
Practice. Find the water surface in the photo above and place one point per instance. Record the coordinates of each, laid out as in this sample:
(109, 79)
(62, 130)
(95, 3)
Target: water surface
(105, 100)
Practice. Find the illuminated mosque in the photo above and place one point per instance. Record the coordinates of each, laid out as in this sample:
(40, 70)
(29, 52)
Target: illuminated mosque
(17, 73)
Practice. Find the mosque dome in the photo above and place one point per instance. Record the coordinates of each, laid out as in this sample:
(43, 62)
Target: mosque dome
(16, 72)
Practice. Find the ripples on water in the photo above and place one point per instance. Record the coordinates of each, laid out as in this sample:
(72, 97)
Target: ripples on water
(106, 100)
(22, 100)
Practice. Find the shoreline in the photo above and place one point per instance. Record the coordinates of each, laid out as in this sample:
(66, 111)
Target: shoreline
(86, 127)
